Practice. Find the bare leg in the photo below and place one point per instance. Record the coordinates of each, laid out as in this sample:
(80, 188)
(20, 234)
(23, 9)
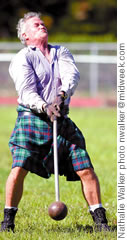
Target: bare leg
(90, 186)
(14, 186)
(14, 190)
(91, 192)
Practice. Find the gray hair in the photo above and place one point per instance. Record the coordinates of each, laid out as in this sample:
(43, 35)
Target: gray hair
(21, 23)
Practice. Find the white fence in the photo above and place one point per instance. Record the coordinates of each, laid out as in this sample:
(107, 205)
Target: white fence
(96, 63)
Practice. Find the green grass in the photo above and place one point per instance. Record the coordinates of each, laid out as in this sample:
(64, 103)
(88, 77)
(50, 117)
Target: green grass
(32, 220)
(65, 37)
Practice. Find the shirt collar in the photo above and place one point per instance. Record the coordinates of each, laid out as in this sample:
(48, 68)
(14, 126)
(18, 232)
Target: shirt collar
(32, 47)
(35, 48)
(52, 51)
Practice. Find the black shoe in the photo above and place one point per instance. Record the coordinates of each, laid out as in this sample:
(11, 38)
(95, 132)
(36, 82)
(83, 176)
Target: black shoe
(99, 217)
(102, 227)
(5, 227)
(8, 223)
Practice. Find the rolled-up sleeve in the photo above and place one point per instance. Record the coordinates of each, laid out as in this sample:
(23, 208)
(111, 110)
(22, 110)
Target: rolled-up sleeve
(23, 75)
(68, 71)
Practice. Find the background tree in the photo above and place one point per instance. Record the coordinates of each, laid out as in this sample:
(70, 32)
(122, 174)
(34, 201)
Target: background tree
(68, 16)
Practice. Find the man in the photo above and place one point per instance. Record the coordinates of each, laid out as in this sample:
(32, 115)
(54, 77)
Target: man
(45, 78)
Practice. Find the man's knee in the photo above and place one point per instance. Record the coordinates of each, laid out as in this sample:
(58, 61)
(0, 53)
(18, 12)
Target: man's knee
(86, 174)
(18, 173)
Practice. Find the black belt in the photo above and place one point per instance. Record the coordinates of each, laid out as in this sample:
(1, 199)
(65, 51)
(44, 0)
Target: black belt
(43, 116)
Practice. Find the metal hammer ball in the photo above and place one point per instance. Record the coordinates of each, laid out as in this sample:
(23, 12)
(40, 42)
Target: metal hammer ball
(57, 210)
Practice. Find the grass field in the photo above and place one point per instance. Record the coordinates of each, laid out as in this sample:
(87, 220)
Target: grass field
(32, 221)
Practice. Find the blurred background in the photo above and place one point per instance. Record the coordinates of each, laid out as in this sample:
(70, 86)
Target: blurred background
(87, 27)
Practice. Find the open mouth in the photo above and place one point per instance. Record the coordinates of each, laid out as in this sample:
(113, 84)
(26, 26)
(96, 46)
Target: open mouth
(43, 30)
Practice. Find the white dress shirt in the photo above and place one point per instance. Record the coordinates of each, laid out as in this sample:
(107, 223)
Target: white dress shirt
(37, 81)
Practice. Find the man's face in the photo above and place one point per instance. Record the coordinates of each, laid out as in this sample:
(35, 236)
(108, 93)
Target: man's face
(35, 30)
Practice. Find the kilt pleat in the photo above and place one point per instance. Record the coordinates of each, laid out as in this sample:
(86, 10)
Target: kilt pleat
(31, 145)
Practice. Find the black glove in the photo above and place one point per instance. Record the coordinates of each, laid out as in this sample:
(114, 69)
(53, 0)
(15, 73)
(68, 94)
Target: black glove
(64, 110)
(59, 104)
(51, 111)
(58, 101)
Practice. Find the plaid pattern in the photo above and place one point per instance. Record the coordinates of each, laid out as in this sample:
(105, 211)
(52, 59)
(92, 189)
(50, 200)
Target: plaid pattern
(31, 144)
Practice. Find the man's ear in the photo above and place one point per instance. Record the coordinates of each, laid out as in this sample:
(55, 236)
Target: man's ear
(25, 36)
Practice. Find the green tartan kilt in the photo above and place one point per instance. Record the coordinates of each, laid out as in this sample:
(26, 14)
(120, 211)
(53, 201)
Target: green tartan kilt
(31, 145)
